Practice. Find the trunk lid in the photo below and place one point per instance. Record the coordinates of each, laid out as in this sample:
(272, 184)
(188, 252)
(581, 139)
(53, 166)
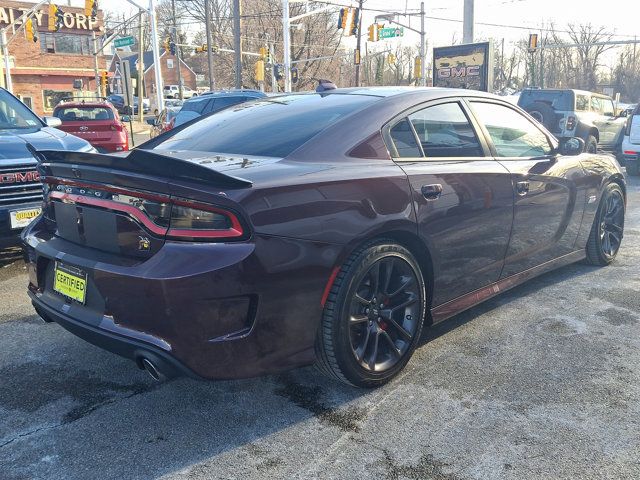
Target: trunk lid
(125, 204)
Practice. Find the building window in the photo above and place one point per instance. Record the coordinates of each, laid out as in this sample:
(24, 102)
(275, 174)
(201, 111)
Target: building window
(169, 62)
(66, 43)
(28, 101)
(51, 98)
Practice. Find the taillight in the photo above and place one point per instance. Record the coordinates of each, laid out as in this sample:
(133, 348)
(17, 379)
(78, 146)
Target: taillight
(571, 122)
(118, 127)
(169, 125)
(197, 220)
(177, 218)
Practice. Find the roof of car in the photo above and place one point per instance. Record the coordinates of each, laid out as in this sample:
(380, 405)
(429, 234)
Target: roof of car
(103, 103)
(385, 92)
(232, 93)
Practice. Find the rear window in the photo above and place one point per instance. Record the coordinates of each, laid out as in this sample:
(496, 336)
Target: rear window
(83, 114)
(197, 105)
(268, 127)
(560, 100)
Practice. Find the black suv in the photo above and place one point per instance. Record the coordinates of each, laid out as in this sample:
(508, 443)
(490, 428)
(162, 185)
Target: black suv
(577, 113)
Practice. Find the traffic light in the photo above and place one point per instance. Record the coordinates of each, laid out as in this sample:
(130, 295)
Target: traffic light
(200, 49)
(91, 8)
(278, 71)
(103, 80)
(356, 56)
(263, 52)
(259, 71)
(391, 59)
(294, 75)
(342, 18)
(533, 42)
(417, 68)
(167, 44)
(59, 19)
(172, 48)
(354, 22)
(31, 34)
(374, 32)
(53, 10)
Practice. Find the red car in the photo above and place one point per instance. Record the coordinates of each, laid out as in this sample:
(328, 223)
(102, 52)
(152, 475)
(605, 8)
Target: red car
(96, 121)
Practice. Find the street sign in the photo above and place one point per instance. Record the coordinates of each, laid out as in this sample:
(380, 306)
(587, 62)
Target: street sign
(123, 42)
(390, 32)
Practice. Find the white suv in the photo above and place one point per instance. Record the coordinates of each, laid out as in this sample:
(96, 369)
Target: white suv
(173, 91)
(631, 143)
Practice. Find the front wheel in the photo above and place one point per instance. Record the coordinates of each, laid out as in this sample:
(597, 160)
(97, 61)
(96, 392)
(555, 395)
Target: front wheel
(608, 227)
(373, 316)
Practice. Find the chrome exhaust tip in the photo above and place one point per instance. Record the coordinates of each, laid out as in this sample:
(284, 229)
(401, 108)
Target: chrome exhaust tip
(152, 370)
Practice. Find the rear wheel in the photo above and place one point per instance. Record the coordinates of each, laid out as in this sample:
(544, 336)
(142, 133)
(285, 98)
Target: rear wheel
(373, 316)
(591, 144)
(608, 227)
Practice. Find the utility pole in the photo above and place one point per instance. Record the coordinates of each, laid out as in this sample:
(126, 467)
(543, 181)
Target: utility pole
(286, 36)
(176, 41)
(207, 21)
(157, 65)
(467, 35)
(141, 68)
(7, 61)
(359, 57)
(94, 39)
(237, 43)
(423, 53)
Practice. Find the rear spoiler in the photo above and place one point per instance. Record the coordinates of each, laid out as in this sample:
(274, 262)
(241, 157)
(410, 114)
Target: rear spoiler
(144, 162)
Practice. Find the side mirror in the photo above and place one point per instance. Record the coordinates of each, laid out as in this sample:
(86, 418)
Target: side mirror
(52, 121)
(573, 146)
(125, 118)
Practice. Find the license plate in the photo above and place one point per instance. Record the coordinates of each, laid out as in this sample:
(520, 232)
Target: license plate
(22, 218)
(70, 282)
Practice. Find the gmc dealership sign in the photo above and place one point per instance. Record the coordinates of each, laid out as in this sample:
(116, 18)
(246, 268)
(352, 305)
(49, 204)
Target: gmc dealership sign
(467, 66)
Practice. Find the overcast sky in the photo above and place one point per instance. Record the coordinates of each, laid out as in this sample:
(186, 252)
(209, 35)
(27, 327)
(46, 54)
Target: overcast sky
(619, 16)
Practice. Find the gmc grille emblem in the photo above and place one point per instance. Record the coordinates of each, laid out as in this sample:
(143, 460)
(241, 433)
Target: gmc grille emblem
(19, 177)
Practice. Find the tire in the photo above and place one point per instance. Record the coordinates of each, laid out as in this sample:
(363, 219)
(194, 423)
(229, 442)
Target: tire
(591, 144)
(543, 113)
(632, 168)
(608, 227)
(370, 327)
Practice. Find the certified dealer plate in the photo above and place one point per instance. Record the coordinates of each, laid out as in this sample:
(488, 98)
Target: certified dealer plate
(22, 218)
(70, 282)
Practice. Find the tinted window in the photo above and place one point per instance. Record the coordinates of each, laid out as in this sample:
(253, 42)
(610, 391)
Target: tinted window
(561, 100)
(83, 114)
(272, 127)
(404, 139)
(198, 106)
(582, 103)
(513, 135)
(444, 131)
(13, 114)
(221, 103)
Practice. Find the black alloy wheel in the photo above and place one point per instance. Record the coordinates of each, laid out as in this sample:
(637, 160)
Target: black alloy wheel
(373, 316)
(608, 227)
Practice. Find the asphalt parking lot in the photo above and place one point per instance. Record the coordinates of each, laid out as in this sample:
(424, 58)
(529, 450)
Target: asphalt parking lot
(541, 382)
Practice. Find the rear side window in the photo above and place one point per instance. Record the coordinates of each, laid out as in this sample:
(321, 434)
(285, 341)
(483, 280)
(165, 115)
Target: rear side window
(269, 127)
(83, 114)
(444, 131)
(198, 106)
(404, 140)
(512, 134)
(223, 102)
(582, 103)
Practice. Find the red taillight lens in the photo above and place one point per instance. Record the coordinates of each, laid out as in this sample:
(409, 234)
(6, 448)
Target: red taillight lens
(117, 127)
(197, 220)
(177, 218)
(169, 125)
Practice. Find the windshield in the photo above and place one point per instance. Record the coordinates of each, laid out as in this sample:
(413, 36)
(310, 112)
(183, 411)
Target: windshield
(273, 126)
(83, 114)
(14, 114)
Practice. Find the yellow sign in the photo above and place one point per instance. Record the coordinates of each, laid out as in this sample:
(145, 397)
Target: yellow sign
(69, 284)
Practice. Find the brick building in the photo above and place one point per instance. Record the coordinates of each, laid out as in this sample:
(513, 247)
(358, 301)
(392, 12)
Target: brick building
(45, 71)
(169, 69)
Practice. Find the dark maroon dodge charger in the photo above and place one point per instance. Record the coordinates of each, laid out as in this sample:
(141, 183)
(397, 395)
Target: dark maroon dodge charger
(312, 228)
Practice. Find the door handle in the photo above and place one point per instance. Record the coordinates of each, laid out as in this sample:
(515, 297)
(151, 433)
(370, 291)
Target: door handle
(522, 188)
(431, 192)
